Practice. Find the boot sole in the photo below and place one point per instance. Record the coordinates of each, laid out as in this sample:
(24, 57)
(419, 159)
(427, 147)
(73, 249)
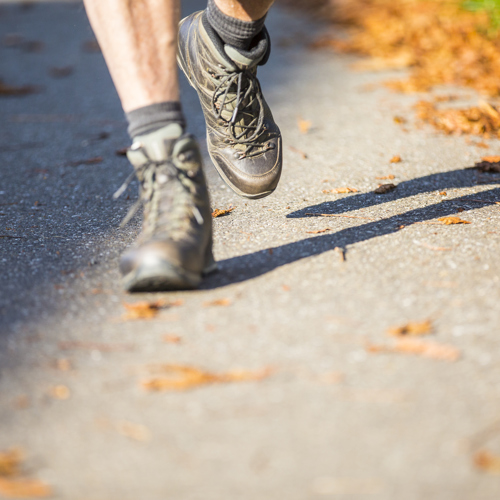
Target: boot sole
(163, 278)
(182, 65)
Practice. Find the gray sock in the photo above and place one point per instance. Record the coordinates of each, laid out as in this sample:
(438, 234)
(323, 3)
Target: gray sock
(234, 32)
(153, 117)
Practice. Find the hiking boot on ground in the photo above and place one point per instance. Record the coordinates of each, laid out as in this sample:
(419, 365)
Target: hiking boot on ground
(175, 246)
(243, 140)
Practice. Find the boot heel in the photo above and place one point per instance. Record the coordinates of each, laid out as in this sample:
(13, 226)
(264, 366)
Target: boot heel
(210, 264)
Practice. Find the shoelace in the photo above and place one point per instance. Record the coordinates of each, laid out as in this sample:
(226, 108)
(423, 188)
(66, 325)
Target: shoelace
(247, 89)
(146, 174)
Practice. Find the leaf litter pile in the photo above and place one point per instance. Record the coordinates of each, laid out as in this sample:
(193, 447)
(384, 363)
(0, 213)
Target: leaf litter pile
(14, 483)
(450, 42)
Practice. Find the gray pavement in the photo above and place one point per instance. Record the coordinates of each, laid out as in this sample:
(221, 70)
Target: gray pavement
(333, 420)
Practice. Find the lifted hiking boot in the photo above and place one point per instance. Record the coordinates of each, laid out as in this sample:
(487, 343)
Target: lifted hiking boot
(243, 140)
(175, 246)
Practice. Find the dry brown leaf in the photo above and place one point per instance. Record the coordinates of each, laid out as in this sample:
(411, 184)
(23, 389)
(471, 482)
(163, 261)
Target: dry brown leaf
(487, 461)
(453, 220)
(137, 432)
(343, 190)
(386, 177)
(91, 46)
(181, 378)
(10, 462)
(68, 345)
(298, 151)
(488, 166)
(217, 302)
(171, 339)
(60, 392)
(219, 213)
(24, 488)
(60, 71)
(319, 231)
(396, 159)
(304, 125)
(17, 91)
(385, 188)
(147, 310)
(418, 347)
(121, 152)
(63, 364)
(412, 328)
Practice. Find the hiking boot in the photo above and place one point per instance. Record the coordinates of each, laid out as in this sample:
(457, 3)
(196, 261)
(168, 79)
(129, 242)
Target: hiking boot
(243, 140)
(175, 246)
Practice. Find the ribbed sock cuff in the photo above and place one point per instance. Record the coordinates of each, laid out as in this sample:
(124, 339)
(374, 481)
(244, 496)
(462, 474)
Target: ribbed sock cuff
(233, 31)
(154, 117)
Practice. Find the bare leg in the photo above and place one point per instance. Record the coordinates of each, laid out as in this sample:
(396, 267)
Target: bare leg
(245, 10)
(139, 42)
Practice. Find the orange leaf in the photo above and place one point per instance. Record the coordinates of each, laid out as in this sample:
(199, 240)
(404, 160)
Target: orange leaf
(147, 310)
(491, 159)
(219, 213)
(319, 231)
(452, 220)
(389, 177)
(396, 159)
(304, 125)
(24, 488)
(181, 378)
(217, 302)
(343, 190)
(432, 350)
(171, 339)
(412, 328)
(487, 461)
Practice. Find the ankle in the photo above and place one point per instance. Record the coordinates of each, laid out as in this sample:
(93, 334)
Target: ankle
(151, 118)
(231, 30)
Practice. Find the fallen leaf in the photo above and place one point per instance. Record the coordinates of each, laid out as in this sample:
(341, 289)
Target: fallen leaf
(400, 120)
(491, 159)
(21, 403)
(94, 346)
(13, 484)
(63, 364)
(17, 91)
(453, 220)
(388, 177)
(59, 392)
(171, 339)
(395, 159)
(217, 302)
(385, 188)
(60, 71)
(412, 328)
(89, 161)
(304, 125)
(319, 231)
(147, 310)
(487, 461)
(10, 462)
(91, 46)
(121, 152)
(181, 378)
(488, 166)
(426, 349)
(219, 213)
(137, 432)
(299, 152)
(343, 190)
(443, 193)
(24, 488)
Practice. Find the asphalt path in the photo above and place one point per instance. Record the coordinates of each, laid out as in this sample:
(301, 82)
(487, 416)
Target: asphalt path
(306, 300)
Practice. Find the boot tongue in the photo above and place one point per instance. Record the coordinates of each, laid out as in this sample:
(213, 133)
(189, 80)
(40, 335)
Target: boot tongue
(158, 144)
